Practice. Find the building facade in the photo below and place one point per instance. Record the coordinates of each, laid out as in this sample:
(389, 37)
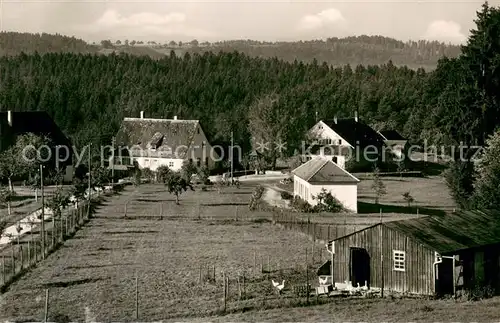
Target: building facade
(163, 142)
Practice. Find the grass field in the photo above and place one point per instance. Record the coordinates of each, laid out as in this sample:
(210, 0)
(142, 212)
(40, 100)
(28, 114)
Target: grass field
(96, 269)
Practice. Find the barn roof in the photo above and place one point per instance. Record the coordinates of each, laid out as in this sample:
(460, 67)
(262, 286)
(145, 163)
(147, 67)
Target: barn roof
(356, 132)
(172, 137)
(452, 232)
(391, 135)
(321, 170)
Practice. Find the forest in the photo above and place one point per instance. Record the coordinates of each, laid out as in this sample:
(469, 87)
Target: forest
(88, 95)
(355, 50)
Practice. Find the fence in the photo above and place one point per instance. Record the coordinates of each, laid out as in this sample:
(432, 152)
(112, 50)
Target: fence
(26, 251)
(317, 231)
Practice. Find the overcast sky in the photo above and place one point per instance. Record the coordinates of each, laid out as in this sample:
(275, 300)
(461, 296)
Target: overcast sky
(92, 20)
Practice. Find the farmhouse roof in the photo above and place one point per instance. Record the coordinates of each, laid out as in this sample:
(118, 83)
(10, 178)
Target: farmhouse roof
(355, 132)
(173, 137)
(321, 170)
(391, 135)
(36, 122)
(452, 232)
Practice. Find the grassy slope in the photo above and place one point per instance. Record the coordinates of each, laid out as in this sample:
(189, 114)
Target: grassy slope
(96, 269)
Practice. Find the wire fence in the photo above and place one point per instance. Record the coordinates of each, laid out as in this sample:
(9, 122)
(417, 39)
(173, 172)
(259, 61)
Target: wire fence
(26, 251)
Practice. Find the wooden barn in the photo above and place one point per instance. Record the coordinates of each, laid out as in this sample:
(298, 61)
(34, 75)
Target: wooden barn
(424, 256)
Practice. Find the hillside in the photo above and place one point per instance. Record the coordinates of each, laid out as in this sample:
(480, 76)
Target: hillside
(365, 50)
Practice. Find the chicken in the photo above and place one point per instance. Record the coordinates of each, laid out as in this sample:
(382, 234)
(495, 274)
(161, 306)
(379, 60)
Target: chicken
(279, 287)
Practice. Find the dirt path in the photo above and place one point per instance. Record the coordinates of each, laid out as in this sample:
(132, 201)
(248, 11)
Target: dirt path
(272, 196)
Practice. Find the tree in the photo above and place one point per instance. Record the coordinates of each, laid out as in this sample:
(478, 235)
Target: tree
(10, 165)
(176, 184)
(172, 43)
(118, 42)
(6, 198)
(401, 167)
(267, 122)
(194, 43)
(256, 198)
(148, 174)
(487, 173)
(106, 44)
(34, 151)
(34, 183)
(56, 202)
(378, 185)
(460, 181)
(408, 198)
(162, 173)
(79, 188)
(188, 169)
(100, 177)
(203, 173)
(245, 161)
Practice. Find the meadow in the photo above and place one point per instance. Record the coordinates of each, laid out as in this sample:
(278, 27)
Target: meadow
(173, 251)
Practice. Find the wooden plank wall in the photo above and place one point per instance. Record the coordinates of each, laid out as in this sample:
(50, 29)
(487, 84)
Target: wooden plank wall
(418, 278)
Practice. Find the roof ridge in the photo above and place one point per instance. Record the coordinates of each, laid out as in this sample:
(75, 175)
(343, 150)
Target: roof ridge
(325, 161)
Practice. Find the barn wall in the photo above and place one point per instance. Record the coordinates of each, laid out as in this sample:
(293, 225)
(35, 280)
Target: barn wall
(418, 277)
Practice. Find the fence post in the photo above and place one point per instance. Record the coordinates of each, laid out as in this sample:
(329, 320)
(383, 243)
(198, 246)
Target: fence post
(3, 269)
(46, 305)
(29, 253)
(22, 258)
(13, 262)
(254, 261)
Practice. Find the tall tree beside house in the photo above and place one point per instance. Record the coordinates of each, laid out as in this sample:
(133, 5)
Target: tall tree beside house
(378, 185)
(487, 182)
(188, 169)
(176, 184)
(267, 122)
(460, 181)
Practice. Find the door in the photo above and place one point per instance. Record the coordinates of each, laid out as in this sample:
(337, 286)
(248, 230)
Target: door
(360, 267)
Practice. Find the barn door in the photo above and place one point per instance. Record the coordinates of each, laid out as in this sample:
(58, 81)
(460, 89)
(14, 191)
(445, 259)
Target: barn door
(359, 267)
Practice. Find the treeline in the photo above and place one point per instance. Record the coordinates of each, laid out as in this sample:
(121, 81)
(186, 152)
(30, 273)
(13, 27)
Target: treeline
(365, 50)
(14, 43)
(88, 95)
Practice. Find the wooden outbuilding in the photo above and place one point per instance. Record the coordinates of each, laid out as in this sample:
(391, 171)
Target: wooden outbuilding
(426, 256)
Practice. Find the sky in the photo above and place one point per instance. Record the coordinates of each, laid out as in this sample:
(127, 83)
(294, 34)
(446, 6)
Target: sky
(280, 20)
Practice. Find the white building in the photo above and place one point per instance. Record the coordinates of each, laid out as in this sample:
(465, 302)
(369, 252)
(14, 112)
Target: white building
(156, 142)
(320, 172)
(341, 139)
(396, 142)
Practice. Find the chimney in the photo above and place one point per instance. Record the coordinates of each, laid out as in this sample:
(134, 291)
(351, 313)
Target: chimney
(142, 114)
(335, 119)
(356, 116)
(9, 117)
(175, 117)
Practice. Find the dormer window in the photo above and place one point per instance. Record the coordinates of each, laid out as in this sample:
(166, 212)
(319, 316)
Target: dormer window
(198, 130)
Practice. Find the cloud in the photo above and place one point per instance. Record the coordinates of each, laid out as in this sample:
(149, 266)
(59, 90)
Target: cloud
(445, 31)
(144, 24)
(320, 20)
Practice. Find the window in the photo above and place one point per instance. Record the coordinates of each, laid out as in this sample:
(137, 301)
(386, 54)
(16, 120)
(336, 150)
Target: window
(198, 162)
(340, 141)
(334, 159)
(399, 260)
(171, 164)
(198, 129)
(206, 161)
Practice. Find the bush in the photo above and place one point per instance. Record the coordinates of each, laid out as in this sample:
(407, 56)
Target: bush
(256, 198)
(286, 196)
(327, 203)
(301, 205)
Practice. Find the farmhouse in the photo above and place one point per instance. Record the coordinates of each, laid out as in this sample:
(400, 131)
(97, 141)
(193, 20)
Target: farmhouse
(395, 142)
(321, 173)
(424, 256)
(342, 139)
(14, 124)
(157, 142)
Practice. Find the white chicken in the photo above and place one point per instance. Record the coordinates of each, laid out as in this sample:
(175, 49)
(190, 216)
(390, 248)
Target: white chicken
(279, 287)
(323, 281)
